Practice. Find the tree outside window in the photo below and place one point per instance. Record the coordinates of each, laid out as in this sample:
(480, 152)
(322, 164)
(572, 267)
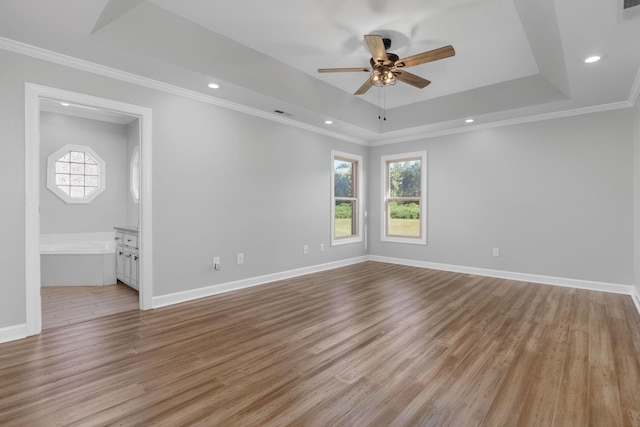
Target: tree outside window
(346, 211)
(404, 197)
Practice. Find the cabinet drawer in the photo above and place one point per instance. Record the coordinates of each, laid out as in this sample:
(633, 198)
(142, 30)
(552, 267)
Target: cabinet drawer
(130, 240)
(119, 239)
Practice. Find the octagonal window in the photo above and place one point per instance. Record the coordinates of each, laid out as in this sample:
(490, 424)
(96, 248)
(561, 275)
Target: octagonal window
(76, 174)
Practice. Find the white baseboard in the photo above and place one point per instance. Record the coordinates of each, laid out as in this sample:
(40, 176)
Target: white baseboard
(178, 297)
(523, 277)
(12, 333)
(635, 296)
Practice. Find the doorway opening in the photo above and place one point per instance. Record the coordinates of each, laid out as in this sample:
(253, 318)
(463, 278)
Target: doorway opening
(40, 98)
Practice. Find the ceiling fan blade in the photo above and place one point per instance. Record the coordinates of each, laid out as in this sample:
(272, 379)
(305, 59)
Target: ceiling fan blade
(412, 79)
(364, 88)
(376, 46)
(421, 58)
(343, 70)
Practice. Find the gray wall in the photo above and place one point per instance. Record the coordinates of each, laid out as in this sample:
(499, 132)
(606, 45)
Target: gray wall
(228, 183)
(109, 141)
(555, 196)
(223, 183)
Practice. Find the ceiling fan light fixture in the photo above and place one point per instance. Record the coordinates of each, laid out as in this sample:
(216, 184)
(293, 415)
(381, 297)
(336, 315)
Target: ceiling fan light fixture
(383, 76)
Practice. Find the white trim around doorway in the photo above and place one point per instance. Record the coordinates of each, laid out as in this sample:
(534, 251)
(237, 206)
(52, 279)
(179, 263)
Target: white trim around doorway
(33, 94)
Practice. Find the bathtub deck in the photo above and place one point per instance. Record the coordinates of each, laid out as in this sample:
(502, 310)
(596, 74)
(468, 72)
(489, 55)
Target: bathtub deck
(66, 305)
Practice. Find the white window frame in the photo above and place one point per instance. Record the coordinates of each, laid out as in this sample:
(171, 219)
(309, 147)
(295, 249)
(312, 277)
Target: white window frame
(51, 174)
(394, 158)
(359, 179)
(134, 175)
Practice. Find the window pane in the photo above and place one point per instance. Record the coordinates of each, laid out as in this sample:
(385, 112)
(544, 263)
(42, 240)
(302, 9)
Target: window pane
(77, 168)
(343, 178)
(91, 181)
(345, 220)
(404, 178)
(77, 157)
(89, 160)
(77, 180)
(404, 218)
(62, 167)
(62, 179)
(91, 169)
(77, 192)
(89, 190)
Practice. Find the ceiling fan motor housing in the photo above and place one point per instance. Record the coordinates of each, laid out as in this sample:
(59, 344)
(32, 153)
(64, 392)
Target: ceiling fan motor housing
(393, 58)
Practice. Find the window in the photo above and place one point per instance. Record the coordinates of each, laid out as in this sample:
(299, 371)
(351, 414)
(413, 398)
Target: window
(76, 174)
(346, 203)
(134, 175)
(404, 185)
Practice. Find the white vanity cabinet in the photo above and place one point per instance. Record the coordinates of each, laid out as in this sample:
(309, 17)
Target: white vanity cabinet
(127, 255)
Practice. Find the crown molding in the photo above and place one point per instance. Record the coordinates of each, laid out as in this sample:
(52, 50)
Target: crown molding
(502, 123)
(104, 71)
(425, 133)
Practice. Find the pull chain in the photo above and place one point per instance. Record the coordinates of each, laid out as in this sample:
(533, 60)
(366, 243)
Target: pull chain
(382, 104)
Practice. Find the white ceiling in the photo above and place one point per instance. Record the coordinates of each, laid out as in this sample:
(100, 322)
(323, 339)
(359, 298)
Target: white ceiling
(514, 58)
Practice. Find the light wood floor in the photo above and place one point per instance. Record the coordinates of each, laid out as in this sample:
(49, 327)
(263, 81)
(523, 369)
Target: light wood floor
(371, 344)
(66, 305)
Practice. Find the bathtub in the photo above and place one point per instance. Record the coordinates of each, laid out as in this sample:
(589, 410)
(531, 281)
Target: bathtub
(78, 259)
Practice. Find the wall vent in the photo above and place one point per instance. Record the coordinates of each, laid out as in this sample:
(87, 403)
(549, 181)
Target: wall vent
(282, 113)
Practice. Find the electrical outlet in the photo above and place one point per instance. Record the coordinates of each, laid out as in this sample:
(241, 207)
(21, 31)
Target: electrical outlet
(321, 247)
(305, 249)
(496, 251)
(216, 262)
(240, 259)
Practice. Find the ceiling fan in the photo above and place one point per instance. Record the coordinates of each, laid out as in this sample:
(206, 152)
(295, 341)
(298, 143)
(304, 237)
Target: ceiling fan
(386, 68)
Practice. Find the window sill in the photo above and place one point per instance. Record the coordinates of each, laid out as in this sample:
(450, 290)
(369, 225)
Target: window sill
(346, 241)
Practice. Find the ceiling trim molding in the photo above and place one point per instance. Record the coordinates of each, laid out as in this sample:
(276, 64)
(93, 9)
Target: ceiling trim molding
(502, 123)
(102, 70)
(91, 67)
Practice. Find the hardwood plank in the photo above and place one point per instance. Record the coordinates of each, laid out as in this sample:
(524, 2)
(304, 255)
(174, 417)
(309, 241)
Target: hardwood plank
(543, 391)
(368, 344)
(67, 305)
(512, 395)
(572, 405)
(627, 367)
(604, 398)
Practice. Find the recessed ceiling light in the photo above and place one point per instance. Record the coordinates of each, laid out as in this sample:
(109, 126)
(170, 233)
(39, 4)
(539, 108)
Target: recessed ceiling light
(65, 104)
(592, 59)
(469, 121)
(214, 85)
(328, 122)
